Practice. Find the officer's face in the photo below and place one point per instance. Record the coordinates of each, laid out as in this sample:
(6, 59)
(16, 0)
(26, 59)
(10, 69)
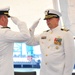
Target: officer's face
(4, 20)
(52, 23)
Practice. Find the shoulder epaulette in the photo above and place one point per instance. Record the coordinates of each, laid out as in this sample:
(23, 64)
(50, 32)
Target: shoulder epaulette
(5, 27)
(64, 29)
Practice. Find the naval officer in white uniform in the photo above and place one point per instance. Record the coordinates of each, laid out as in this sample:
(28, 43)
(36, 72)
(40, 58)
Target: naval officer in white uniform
(57, 46)
(7, 39)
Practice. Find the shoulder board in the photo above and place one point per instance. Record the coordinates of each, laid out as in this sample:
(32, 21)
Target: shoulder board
(64, 29)
(5, 27)
(46, 30)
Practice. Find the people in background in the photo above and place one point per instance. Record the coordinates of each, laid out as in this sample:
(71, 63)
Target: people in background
(7, 40)
(57, 46)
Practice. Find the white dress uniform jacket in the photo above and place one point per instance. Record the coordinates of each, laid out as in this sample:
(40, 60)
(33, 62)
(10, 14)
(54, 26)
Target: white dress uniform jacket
(7, 39)
(57, 49)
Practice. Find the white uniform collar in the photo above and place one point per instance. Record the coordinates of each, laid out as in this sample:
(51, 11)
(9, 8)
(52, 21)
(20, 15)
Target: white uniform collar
(56, 29)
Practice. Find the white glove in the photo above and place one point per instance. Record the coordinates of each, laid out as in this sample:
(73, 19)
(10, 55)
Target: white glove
(15, 20)
(32, 28)
(35, 24)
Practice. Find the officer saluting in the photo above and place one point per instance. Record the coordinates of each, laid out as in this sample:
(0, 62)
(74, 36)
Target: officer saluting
(7, 39)
(57, 46)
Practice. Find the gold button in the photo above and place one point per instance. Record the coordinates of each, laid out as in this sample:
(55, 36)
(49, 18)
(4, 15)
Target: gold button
(57, 47)
(46, 54)
(48, 46)
(51, 32)
(45, 63)
(30, 29)
(49, 39)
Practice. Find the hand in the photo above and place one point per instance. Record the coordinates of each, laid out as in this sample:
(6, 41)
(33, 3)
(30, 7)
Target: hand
(14, 19)
(35, 24)
(32, 28)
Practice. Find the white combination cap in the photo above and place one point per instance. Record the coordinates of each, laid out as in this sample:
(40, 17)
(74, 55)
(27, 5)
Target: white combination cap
(5, 11)
(50, 13)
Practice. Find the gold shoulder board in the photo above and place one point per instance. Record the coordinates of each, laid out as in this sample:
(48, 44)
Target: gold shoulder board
(64, 29)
